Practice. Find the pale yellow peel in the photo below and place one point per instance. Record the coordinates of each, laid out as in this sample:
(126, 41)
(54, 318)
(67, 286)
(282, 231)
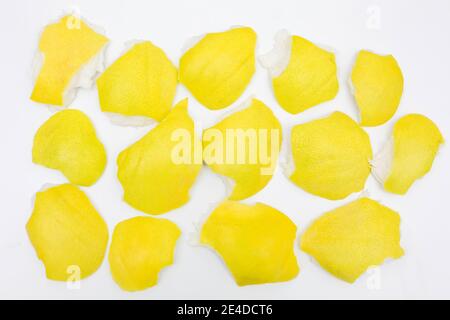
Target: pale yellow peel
(67, 142)
(68, 234)
(140, 83)
(331, 156)
(309, 79)
(66, 47)
(141, 247)
(151, 180)
(218, 68)
(416, 141)
(256, 242)
(258, 124)
(377, 83)
(350, 239)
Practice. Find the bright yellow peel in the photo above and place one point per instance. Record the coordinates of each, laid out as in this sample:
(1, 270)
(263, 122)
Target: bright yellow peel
(152, 181)
(377, 82)
(308, 79)
(141, 247)
(331, 156)
(67, 142)
(66, 48)
(256, 242)
(218, 68)
(350, 239)
(68, 234)
(261, 133)
(414, 145)
(142, 82)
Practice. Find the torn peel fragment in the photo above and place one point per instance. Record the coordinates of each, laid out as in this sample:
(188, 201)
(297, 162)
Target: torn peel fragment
(141, 247)
(377, 84)
(154, 180)
(409, 154)
(67, 142)
(68, 234)
(218, 68)
(70, 55)
(352, 238)
(249, 141)
(255, 242)
(331, 156)
(140, 84)
(303, 74)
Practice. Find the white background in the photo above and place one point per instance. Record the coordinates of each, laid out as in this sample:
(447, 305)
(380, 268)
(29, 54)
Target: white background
(416, 32)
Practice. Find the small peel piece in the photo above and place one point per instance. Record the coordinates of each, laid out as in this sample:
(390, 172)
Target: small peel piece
(258, 143)
(141, 247)
(255, 241)
(303, 77)
(331, 156)
(67, 233)
(218, 68)
(410, 153)
(152, 180)
(67, 142)
(140, 83)
(377, 84)
(350, 239)
(71, 53)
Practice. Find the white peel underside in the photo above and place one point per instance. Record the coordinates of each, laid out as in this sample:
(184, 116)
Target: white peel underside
(382, 162)
(277, 59)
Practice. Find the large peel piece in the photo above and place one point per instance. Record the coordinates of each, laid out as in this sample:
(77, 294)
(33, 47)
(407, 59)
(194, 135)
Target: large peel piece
(140, 83)
(352, 238)
(68, 234)
(70, 54)
(218, 68)
(141, 247)
(154, 180)
(67, 142)
(330, 156)
(409, 155)
(249, 142)
(255, 242)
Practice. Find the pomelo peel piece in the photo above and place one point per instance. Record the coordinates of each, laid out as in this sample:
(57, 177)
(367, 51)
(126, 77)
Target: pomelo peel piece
(68, 234)
(67, 142)
(218, 68)
(141, 247)
(331, 156)
(409, 154)
(350, 239)
(70, 55)
(303, 74)
(255, 242)
(141, 84)
(251, 169)
(377, 84)
(152, 179)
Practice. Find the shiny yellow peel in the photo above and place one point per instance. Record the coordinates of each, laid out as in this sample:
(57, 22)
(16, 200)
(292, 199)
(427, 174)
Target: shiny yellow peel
(331, 156)
(256, 242)
(141, 247)
(67, 142)
(220, 66)
(142, 82)
(152, 180)
(416, 142)
(378, 86)
(260, 142)
(68, 234)
(66, 47)
(350, 239)
(309, 79)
